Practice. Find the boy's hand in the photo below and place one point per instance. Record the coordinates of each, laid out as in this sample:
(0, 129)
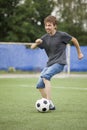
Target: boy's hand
(37, 42)
(80, 56)
(34, 45)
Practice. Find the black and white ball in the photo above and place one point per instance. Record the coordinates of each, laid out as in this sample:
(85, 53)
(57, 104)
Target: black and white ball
(42, 105)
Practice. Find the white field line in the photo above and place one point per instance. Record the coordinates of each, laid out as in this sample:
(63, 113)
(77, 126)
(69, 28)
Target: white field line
(37, 75)
(74, 88)
(59, 87)
(54, 87)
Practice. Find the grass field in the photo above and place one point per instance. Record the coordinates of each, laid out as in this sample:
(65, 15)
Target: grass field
(17, 105)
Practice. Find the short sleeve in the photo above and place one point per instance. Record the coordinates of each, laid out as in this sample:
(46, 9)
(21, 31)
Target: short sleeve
(66, 37)
(42, 46)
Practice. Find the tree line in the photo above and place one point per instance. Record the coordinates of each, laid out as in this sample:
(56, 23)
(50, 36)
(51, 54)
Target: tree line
(22, 20)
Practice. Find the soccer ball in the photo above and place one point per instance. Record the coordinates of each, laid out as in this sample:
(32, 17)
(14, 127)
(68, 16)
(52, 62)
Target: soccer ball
(42, 105)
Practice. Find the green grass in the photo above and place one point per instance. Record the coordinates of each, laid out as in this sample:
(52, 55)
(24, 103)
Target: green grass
(33, 72)
(17, 105)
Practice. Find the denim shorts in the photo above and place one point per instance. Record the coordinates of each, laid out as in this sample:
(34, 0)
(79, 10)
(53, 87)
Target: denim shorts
(48, 73)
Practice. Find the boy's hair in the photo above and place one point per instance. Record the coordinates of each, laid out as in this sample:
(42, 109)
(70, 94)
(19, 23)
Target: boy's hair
(51, 19)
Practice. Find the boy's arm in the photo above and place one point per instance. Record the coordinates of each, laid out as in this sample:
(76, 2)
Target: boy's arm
(75, 42)
(37, 42)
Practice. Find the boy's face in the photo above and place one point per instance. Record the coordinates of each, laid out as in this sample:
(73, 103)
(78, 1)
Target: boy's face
(49, 27)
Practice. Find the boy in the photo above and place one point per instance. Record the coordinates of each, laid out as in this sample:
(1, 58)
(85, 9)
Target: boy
(54, 43)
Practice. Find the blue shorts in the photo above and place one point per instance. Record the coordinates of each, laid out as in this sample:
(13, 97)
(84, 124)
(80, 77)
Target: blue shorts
(48, 73)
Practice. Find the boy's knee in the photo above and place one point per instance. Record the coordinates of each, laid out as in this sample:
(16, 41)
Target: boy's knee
(40, 84)
(46, 77)
(45, 80)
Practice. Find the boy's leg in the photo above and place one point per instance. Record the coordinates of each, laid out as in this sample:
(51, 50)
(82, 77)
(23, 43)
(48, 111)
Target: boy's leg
(41, 85)
(43, 93)
(47, 88)
(46, 76)
(44, 85)
(48, 93)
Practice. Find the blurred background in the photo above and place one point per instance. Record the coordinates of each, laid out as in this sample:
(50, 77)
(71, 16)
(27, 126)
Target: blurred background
(22, 21)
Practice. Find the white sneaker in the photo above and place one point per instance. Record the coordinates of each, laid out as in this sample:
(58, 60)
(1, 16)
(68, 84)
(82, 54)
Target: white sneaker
(52, 107)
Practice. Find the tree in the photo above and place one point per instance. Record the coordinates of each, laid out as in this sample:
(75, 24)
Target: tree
(23, 21)
(72, 18)
(7, 9)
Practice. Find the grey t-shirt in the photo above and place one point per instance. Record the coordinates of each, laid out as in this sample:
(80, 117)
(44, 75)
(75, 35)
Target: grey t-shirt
(55, 47)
